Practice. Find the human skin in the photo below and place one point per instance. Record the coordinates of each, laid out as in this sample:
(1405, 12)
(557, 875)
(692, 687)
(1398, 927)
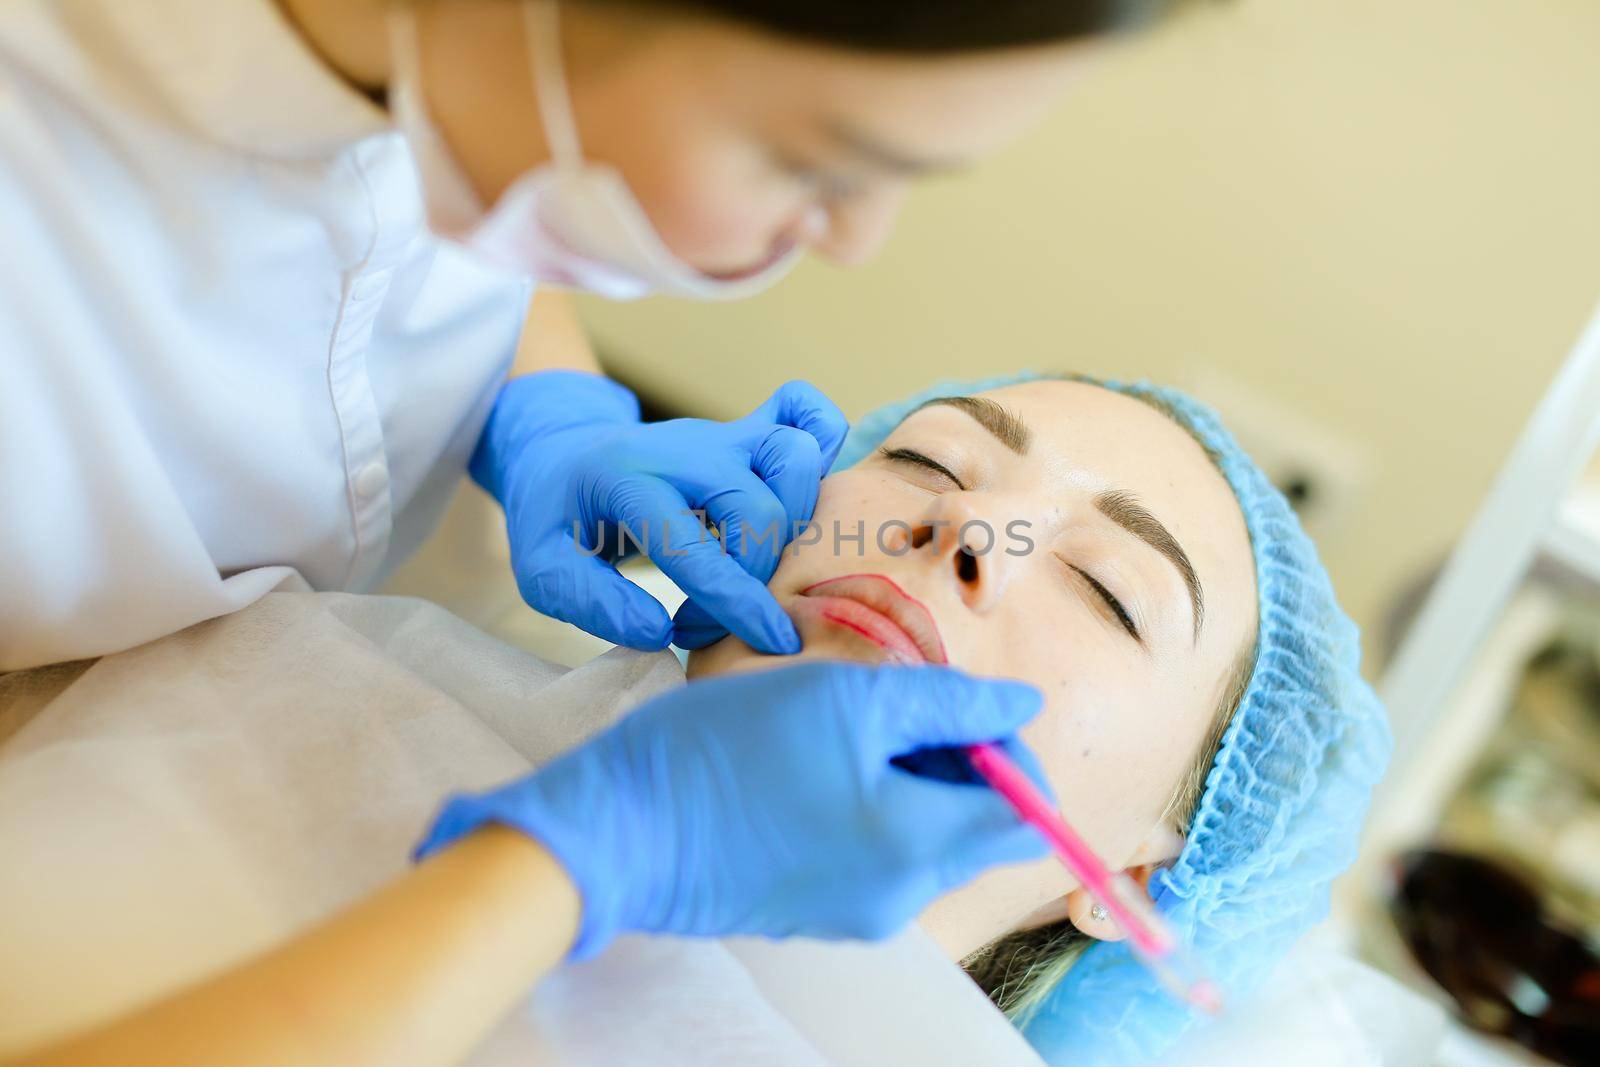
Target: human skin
(733, 142)
(416, 972)
(1121, 720)
(1124, 715)
(737, 143)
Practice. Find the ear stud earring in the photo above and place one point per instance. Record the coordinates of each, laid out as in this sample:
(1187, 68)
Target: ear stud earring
(1098, 913)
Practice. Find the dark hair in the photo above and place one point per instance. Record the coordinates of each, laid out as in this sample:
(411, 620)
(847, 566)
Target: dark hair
(932, 26)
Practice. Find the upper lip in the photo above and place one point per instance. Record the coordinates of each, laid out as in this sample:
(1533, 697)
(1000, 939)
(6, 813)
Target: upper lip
(882, 595)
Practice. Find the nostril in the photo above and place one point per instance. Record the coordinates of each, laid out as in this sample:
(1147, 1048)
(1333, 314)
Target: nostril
(921, 536)
(967, 565)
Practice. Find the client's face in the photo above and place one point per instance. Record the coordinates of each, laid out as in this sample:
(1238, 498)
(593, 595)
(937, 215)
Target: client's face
(1058, 533)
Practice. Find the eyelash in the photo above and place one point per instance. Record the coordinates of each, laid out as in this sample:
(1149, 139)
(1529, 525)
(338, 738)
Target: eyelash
(834, 189)
(828, 185)
(908, 455)
(912, 456)
(1112, 602)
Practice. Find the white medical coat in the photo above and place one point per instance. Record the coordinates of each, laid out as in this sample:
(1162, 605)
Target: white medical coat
(229, 349)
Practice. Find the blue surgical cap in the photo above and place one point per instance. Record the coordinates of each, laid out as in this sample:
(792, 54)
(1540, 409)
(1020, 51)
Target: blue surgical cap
(1283, 802)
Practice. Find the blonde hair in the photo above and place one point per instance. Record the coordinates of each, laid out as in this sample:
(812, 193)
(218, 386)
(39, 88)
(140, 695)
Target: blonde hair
(1018, 970)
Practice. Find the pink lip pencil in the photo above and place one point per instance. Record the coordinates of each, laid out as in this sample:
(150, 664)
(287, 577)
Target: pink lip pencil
(1149, 936)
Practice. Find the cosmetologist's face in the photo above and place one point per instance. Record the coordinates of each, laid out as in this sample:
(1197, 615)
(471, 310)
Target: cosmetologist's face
(738, 144)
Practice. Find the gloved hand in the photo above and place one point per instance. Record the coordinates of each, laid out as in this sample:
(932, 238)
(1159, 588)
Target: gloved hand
(565, 450)
(766, 803)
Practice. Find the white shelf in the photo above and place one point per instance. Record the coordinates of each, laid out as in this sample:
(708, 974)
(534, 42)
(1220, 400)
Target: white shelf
(1537, 482)
(1574, 538)
(1448, 684)
(1408, 809)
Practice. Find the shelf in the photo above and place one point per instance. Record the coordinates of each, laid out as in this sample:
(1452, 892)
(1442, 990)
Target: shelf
(1408, 809)
(1574, 539)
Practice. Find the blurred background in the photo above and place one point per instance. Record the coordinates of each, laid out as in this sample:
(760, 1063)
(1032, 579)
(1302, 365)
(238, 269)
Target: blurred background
(1368, 232)
(1372, 223)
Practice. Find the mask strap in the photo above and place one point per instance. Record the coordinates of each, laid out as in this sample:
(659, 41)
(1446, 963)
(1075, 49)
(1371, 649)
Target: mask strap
(542, 23)
(402, 25)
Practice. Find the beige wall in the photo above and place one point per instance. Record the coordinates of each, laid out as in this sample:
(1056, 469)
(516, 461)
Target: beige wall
(1382, 214)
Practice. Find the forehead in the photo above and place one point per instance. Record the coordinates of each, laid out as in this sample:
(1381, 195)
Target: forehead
(1092, 437)
(987, 98)
(1088, 439)
(977, 101)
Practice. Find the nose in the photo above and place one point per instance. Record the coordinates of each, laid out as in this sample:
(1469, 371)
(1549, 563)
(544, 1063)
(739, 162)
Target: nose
(965, 546)
(855, 229)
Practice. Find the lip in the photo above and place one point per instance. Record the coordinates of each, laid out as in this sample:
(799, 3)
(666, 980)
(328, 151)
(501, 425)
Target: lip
(781, 250)
(877, 609)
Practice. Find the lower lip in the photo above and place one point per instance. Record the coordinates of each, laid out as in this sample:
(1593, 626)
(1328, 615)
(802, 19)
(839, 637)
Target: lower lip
(865, 622)
(783, 249)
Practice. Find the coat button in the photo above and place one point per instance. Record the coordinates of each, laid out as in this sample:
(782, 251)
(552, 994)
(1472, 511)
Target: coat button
(371, 479)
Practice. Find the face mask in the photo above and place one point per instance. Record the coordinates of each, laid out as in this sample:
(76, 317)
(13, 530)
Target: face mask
(567, 222)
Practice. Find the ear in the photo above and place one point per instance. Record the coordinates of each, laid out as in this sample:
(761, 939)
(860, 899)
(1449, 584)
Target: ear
(1161, 846)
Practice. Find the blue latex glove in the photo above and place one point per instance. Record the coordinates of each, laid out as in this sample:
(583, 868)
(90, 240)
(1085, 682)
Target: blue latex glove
(767, 803)
(565, 450)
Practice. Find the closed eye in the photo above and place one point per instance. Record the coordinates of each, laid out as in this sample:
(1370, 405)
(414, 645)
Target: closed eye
(1110, 601)
(828, 183)
(911, 455)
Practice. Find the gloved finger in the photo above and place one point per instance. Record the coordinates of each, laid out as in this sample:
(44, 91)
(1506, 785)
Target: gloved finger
(723, 486)
(1024, 758)
(687, 554)
(752, 520)
(951, 764)
(789, 461)
(924, 707)
(961, 830)
(562, 581)
(805, 407)
(944, 763)
(693, 627)
(756, 543)
(991, 845)
(755, 525)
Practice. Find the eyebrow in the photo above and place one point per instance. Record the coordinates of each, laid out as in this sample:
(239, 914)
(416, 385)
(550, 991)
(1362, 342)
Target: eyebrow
(892, 159)
(1118, 505)
(1125, 510)
(991, 415)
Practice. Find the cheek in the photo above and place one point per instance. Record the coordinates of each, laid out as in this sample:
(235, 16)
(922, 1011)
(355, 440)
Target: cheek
(1113, 748)
(1043, 635)
(710, 204)
(847, 503)
(1109, 737)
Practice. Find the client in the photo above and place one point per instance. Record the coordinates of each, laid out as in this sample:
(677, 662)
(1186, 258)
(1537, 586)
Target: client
(204, 797)
(1205, 724)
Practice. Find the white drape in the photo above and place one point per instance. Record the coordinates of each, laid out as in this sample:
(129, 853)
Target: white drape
(171, 809)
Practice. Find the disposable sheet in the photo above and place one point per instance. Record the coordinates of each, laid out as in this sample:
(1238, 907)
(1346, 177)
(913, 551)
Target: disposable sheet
(172, 809)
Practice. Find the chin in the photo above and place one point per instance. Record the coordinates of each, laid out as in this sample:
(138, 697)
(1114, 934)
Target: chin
(732, 656)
